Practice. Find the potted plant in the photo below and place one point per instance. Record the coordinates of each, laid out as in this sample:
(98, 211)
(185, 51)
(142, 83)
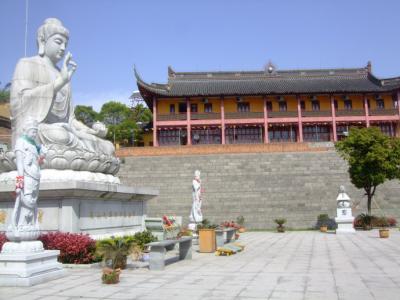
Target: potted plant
(240, 222)
(114, 252)
(280, 222)
(365, 220)
(383, 225)
(207, 241)
(322, 222)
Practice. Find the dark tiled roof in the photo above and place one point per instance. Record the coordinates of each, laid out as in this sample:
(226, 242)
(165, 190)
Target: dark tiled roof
(190, 84)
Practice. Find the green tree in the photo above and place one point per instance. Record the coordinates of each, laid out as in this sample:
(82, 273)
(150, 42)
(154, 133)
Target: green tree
(141, 113)
(5, 93)
(114, 113)
(86, 114)
(141, 116)
(373, 158)
(118, 119)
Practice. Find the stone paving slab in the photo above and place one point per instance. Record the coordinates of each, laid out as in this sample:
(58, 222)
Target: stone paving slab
(293, 265)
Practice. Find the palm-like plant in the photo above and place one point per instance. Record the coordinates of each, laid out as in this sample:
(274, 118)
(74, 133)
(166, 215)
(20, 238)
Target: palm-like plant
(115, 250)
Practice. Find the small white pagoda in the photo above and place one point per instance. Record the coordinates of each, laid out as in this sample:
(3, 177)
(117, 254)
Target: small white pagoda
(344, 217)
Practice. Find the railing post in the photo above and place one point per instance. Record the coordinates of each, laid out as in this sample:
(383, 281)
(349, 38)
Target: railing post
(155, 141)
(188, 122)
(366, 110)
(222, 121)
(333, 118)
(266, 136)
(299, 121)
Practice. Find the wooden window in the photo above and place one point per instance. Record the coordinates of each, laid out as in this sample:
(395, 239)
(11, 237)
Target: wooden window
(172, 108)
(315, 105)
(193, 108)
(243, 107)
(316, 133)
(182, 108)
(380, 104)
(387, 129)
(172, 137)
(282, 106)
(348, 105)
(207, 107)
(335, 104)
(244, 135)
(303, 105)
(269, 106)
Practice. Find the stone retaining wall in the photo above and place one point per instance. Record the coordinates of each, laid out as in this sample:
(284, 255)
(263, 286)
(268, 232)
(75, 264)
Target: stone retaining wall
(260, 186)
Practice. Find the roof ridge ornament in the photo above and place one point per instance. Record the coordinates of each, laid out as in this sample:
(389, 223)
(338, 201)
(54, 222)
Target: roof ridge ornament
(369, 67)
(270, 68)
(171, 72)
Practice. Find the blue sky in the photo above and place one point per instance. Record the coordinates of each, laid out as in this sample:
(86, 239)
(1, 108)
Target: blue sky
(109, 36)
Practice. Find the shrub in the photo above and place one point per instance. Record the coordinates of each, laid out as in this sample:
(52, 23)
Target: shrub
(206, 224)
(392, 221)
(324, 220)
(364, 221)
(280, 221)
(240, 221)
(3, 240)
(144, 237)
(74, 248)
(379, 222)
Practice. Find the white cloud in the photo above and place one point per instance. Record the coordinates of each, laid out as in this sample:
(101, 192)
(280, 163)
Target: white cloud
(97, 99)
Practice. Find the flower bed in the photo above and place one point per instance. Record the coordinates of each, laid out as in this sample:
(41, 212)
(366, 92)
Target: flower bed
(3, 240)
(74, 248)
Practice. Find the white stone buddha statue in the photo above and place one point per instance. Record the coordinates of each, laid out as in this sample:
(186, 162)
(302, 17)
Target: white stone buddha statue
(42, 91)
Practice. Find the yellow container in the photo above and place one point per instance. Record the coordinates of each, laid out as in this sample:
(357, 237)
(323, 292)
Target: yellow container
(207, 242)
(384, 233)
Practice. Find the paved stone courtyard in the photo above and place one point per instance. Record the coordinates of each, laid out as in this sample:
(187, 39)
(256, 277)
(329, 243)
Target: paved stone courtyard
(292, 265)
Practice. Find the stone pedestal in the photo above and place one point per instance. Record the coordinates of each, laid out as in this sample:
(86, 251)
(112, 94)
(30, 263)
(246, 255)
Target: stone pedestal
(345, 225)
(98, 208)
(26, 264)
(195, 236)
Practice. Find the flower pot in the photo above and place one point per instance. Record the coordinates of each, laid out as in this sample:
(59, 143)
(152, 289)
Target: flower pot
(280, 229)
(367, 227)
(110, 276)
(383, 233)
(207, 242)
(323, 228)
(121, 263)
(242, 229)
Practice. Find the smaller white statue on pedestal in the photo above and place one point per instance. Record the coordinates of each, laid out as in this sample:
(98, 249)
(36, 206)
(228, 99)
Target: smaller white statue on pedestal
(29, 155)
(344, 217)
(195, 214)
(24, 261)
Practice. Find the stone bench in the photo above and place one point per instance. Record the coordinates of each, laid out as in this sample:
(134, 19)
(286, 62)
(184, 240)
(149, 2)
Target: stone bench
(158, 250)
(225, 235)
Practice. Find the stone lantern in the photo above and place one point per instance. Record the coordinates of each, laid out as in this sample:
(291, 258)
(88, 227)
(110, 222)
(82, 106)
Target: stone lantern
(344, 217)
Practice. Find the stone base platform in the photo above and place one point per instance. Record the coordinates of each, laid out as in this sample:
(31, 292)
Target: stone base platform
(345, 225)
(20, 269)
(93, 207)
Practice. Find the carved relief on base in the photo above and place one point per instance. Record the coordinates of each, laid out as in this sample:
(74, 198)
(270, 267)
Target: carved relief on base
(68, 159)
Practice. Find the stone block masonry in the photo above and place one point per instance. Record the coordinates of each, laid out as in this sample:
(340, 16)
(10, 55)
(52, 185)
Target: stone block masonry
(297, 186)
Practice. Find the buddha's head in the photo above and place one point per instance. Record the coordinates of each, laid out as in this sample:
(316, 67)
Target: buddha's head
(52, 39)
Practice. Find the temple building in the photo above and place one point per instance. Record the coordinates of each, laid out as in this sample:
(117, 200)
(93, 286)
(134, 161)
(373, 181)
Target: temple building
(270, 105)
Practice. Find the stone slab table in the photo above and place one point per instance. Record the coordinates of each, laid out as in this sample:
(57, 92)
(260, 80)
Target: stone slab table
(158, 250)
